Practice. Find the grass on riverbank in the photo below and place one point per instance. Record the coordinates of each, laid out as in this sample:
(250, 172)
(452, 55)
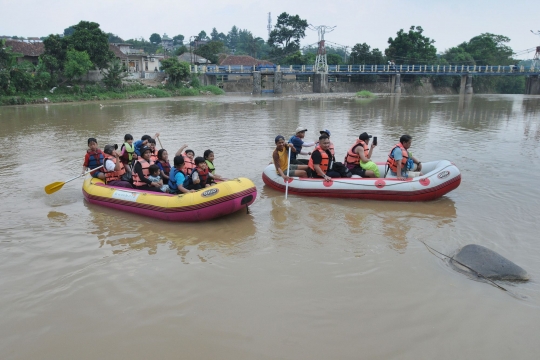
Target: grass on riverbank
(97, 92)
(365, 94)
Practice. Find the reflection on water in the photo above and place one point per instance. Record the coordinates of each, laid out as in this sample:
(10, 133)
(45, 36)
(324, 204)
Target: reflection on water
(310, 269)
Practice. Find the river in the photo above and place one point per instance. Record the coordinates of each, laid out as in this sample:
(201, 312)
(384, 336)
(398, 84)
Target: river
(313, 278)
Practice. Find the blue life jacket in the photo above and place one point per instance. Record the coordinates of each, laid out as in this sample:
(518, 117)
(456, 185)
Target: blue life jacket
(172, 179)
(95, 159)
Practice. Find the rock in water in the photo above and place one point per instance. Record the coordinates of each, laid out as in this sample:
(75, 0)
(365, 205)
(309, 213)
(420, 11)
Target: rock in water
(488, 263)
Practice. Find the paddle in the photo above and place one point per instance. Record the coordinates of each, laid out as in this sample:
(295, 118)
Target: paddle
(288, 169)
(159, 142)
(55, 186)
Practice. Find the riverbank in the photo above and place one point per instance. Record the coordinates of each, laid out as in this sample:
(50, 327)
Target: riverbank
(96, 93)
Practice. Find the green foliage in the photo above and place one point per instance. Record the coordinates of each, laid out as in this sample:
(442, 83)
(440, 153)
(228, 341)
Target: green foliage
(55, 54)
(141, 43)
(232, 38)
(178, 40)
(202, 35)
(411, 47)
(176, 70)
(77, 64)
(69, 31)
(361, 54)
(365, 94)
(213, 89)
(195, 82)
(113, 75)
(334, 59)
(155, 38)
(113, 38)
(88, 37)
(180, 50)
(210, 50)
(288, 31)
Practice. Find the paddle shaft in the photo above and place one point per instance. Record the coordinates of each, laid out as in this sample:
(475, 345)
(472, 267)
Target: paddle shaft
(159, 142)
(288, 171)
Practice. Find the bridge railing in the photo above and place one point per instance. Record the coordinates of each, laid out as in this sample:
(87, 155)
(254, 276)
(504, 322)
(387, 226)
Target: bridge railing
(370, 69)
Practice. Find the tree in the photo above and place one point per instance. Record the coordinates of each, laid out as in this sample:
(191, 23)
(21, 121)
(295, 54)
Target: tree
(210, 50)
(214, 35)
(89, 38)
(334, 59)
(155, 38)
(361, 54)
(77, 64)
(180, 50)
(113, 75)
(411, 47)
(54, 55)
(113, 38)
(178, 40)
(202, 36)
(69, 31)
(176, 70)
(287, 33)
(232, 38)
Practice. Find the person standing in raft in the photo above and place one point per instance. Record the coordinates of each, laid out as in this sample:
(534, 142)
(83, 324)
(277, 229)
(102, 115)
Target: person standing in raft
(360, 152)
(322, 161)
(141, 171)
(177, 178)
(298, 144)
(94, 158)
(113, 168)
(400, 160)
(209, 158)
(280, 158)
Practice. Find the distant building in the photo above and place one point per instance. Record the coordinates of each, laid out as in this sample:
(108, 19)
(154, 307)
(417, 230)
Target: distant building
(166, 42)
(30, 51)
(136, 60)
(193, 59)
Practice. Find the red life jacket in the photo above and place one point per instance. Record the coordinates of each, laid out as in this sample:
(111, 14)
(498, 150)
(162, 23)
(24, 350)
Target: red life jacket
(392, 163)
(144, 165)
(166, 166)
(189, 165)
(324, 162)
(203, 175)
(353, 158)
(95, 159)
(113, 175)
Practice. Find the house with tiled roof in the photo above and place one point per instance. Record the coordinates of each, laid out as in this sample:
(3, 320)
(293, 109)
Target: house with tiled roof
(30, 51)
(193, 59)
(244, 60)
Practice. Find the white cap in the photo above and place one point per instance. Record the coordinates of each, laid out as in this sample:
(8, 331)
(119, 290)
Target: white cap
(300, 129)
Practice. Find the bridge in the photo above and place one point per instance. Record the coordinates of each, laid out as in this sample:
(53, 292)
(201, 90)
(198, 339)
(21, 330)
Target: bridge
(320, 80)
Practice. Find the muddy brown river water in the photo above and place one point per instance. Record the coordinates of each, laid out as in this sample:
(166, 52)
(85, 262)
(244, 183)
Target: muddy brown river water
(314, 278)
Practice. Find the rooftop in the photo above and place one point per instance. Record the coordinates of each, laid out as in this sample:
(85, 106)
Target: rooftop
(26, 48)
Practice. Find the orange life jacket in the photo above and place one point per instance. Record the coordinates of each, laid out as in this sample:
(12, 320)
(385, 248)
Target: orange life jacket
(153, 156)
(392, 163)
(353, 158)
(324, 162)
(189, 165)
(113, 175)
(144, 165)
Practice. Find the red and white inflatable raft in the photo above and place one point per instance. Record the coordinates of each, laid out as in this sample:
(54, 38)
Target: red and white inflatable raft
(440, 177)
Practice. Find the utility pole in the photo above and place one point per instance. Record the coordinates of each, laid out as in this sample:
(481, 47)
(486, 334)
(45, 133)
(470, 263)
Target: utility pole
(321, 64)
(346, 47)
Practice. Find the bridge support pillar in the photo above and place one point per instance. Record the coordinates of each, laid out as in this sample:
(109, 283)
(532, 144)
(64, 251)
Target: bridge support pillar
(532, 86)
(208, 79)
(468, 85)
(320, 83)
(278, 80)
(396, 84)
(256, 83)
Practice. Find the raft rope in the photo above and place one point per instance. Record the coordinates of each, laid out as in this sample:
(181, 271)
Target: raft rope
(431, 250)
(386, 185)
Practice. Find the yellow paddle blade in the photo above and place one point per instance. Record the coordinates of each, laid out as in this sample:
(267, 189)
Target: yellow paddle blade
(54, 187)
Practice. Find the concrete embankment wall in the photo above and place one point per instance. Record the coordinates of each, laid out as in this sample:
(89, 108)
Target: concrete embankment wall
(298, 87)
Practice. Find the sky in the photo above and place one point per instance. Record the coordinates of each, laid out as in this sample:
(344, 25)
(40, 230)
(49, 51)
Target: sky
(448, 22)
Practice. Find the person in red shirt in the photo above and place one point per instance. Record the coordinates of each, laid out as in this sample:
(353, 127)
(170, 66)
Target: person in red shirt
(94, 158)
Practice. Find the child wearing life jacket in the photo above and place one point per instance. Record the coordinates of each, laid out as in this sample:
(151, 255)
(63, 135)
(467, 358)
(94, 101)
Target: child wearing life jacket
(127, 152)
(153, 153)
(188, 159)
(154, 177)
(209, 158)
(177, 178)
(200, 176)
(163, 164)
(94, 158)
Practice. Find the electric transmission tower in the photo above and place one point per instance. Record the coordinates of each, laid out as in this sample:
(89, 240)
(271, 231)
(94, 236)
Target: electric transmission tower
(269, 27)
(536, 58)
(321, 65)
